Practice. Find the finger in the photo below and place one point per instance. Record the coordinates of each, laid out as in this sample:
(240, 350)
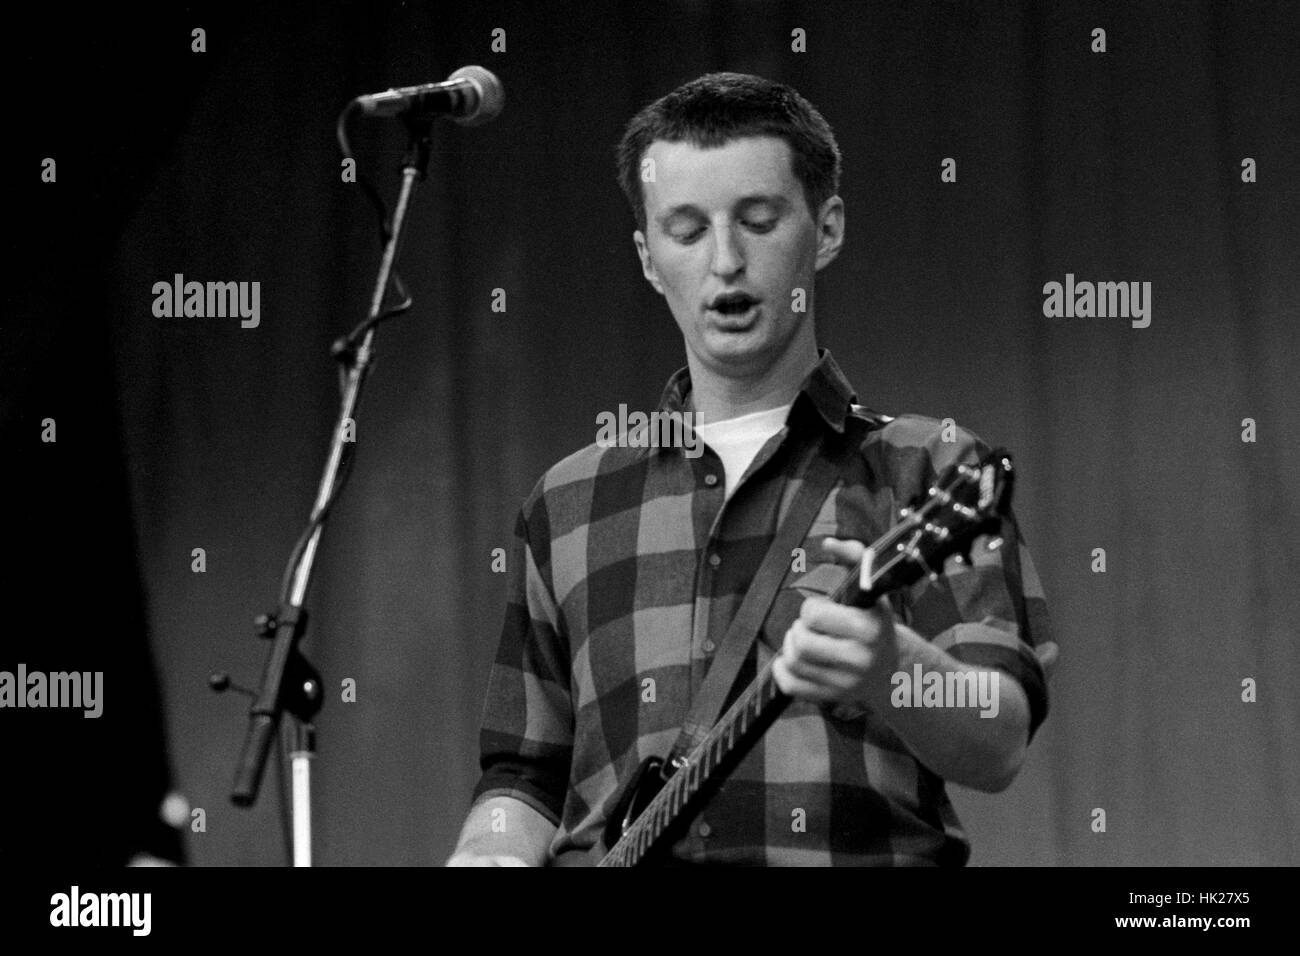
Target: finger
(833, 679)
(841, 620)
(780, 671)
(843, 550)
(808, 646)
(798, 687)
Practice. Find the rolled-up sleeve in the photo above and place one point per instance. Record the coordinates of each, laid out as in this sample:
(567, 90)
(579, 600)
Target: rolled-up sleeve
(526, 736)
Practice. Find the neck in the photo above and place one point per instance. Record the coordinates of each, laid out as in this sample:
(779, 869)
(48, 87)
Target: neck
(718, 394)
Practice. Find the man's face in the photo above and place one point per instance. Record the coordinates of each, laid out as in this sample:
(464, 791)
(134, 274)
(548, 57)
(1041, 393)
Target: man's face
(729, 238)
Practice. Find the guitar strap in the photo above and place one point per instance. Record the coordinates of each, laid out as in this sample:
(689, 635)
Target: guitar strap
(819, 474)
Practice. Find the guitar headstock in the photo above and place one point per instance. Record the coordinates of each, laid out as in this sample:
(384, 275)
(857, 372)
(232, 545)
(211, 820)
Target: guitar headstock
(964, 502)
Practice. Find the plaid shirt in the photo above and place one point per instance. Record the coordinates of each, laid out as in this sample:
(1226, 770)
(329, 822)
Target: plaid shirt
(627, 566)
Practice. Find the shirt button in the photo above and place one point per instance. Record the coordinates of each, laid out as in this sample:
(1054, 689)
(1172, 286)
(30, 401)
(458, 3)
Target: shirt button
(709, 647)
(704, 830)
(710, 480)
(714, 560)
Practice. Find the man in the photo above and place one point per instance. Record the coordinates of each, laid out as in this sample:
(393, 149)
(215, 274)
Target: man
(630, 562)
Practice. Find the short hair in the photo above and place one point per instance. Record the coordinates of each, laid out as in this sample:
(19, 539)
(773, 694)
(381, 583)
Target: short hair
(717, 108)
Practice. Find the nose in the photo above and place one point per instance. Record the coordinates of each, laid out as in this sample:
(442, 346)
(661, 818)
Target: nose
(728, 254)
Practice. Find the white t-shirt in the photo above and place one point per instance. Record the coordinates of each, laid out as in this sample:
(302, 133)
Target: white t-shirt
(737, 440)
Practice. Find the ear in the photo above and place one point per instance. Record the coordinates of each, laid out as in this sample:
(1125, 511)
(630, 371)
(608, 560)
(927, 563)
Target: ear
(647, 265)
(830, 231)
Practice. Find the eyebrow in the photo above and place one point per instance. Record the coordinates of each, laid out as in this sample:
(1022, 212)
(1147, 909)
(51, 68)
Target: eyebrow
(777, 202)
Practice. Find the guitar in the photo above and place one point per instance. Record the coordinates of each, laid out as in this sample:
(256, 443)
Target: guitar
(963, 503)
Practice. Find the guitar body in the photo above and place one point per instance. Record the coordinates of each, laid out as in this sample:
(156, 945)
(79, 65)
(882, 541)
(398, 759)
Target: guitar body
(640, 790)
(645, 784)
(633, 799)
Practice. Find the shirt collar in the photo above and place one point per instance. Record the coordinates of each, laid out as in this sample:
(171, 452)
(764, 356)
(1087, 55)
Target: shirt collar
(825, 389)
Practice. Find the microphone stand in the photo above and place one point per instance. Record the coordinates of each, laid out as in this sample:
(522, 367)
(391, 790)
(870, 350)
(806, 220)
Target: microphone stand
(290, 684)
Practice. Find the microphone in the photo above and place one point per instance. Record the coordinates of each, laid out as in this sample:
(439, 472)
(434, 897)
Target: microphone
(470, 96)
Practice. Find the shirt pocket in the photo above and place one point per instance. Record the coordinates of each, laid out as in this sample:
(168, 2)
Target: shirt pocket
(820, 579)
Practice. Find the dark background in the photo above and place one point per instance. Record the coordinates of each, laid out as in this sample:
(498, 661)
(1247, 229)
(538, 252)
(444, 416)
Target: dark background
(182, 433)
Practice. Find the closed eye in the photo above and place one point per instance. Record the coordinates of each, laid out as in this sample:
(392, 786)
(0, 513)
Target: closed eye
(759, 226)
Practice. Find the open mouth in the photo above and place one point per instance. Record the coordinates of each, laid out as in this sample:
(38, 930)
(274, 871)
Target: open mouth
(735, 305)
